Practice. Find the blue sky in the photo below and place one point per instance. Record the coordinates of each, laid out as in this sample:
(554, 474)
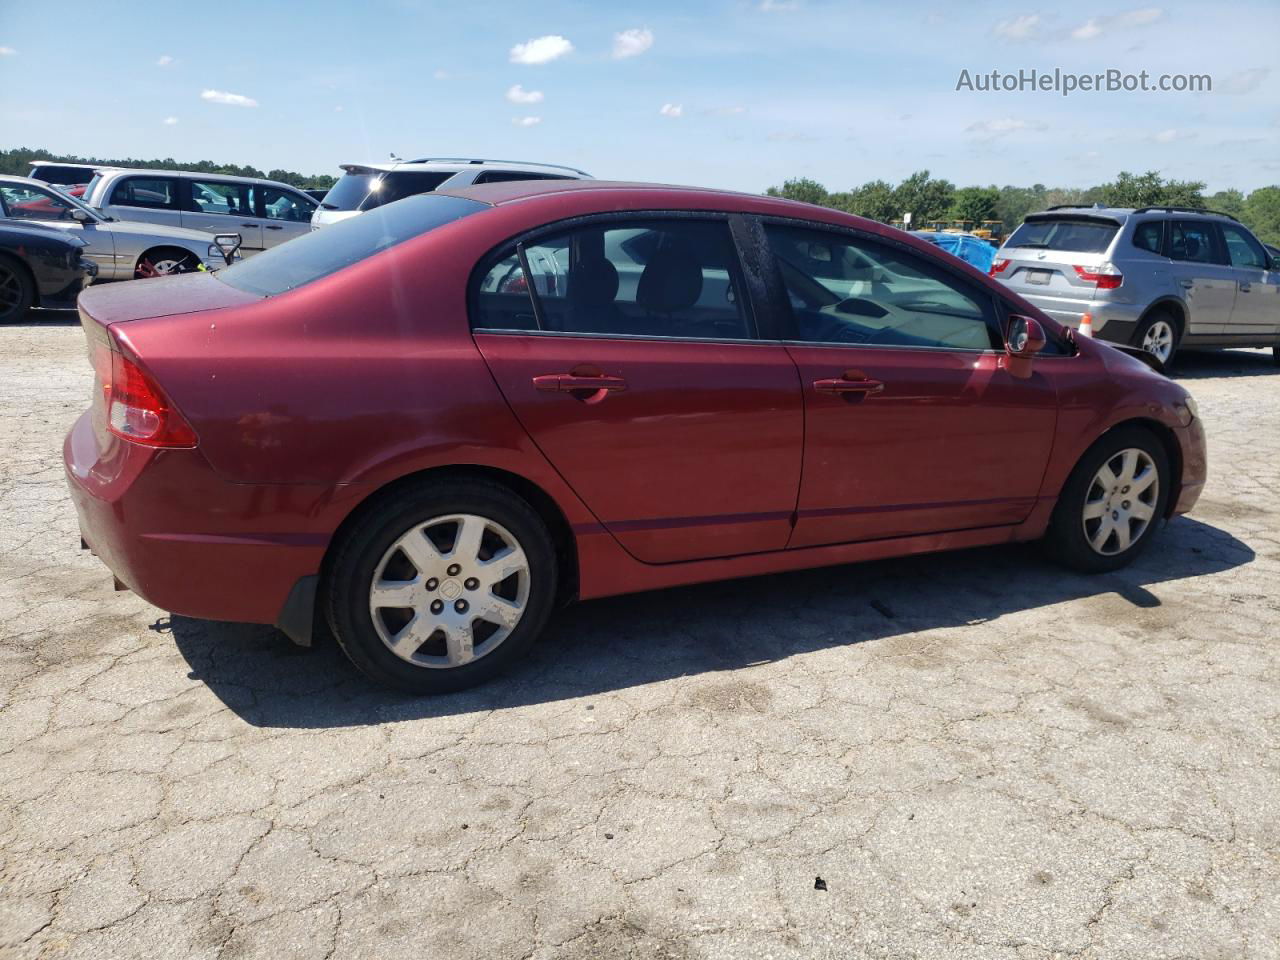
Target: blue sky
(739, 94)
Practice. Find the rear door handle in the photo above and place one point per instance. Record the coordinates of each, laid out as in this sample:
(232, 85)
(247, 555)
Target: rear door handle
(839, 385)
(270, 226)
(248, 224)
(575, 383)
(1245, 286)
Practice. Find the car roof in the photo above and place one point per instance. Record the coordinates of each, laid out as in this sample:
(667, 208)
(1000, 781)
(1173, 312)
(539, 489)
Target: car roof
(73, 163)
(1121, 214)
(456, 164)
(194, 175)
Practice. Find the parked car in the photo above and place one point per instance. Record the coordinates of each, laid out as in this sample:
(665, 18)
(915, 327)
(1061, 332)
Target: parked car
(316, 195)
(122, 251)
(263, 212)
(69, 177)
(40, 267)
(432, 423)
(1156, 277)
(974, 251)
(367, 186)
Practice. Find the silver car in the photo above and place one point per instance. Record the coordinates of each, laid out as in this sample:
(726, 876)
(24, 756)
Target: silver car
(364, 186)
(263, 212)
(1159, 278)
(122, 251)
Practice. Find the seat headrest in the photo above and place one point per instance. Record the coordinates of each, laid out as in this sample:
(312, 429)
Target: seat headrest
(672, 280)
(593, 282)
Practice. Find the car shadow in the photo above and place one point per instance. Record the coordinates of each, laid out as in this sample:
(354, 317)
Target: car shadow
(47, 318)
(1214, 364)
(621, 642)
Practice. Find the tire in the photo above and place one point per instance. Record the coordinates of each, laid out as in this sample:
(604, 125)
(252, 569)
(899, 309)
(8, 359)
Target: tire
(17, 292)
(1159, 327)
(433, 655)
(1079, 541)
(165, 262)
(1275, 355)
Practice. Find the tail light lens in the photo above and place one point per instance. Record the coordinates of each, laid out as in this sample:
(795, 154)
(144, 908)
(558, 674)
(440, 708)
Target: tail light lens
(998, 267)
(136, 408)
(1105, 275)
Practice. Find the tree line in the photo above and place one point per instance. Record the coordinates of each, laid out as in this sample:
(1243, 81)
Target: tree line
(929, 200)
(18, 161)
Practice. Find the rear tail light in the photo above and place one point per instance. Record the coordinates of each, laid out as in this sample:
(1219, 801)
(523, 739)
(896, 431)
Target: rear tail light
(998, 267)
(136, 407)
(1105, 275)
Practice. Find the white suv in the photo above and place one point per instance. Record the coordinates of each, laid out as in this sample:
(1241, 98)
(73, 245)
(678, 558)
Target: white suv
(364, 186)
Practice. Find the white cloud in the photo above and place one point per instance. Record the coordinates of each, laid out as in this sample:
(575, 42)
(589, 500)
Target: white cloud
(541, 50)
(338, 108)
(518, 94)
(170, 121)
(8, 52)
(1172, 135)
(526, 121)
(1001, 127)
(1246, 81)
(440, 75)
(164, 60)
(778, 6)
(230, 99)
(672, 110)
(1025, 27)
(631, 43)
(732, 111)
(1097, 26)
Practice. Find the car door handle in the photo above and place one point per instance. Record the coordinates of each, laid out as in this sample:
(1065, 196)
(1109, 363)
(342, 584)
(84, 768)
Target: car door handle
(272, 226)
(1245, 287)
(248, 224)
(839, 385)
(1186, 284)
(575, 383)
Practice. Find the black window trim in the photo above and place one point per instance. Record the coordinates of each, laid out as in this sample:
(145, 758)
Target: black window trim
(518, 242)
(996, 317)
(175, 192)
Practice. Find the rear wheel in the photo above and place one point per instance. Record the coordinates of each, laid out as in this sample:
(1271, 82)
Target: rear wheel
(164, 262)
(1158, 334)
(17, 292)
(443, 587)
(1113, 502)
(1275, 355)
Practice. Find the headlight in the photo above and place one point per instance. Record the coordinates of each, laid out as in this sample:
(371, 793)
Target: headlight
(1190, 404)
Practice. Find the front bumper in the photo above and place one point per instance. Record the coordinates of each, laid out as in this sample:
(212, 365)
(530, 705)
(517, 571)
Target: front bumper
(1195, 466)
(186, 540)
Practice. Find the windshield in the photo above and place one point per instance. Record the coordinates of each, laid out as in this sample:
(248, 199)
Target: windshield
(1074, 236)
(298, 262)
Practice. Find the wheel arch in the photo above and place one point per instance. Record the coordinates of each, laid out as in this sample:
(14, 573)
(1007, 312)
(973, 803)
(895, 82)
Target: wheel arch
(1168, 304)
(26, 269)
(156, 248)
(1168, 441)
(542, 503)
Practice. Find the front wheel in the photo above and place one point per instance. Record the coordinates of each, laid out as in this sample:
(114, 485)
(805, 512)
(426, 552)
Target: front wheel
(1112, 503)
(443, 587)
(16, 291)
(165, 262)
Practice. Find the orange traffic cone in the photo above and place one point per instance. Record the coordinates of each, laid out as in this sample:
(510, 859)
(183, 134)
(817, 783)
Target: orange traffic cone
(1086, 325)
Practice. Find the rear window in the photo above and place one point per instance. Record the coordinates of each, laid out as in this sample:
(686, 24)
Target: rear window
(366, 191)
(64, 176)
(1075, 236)
(318, 254)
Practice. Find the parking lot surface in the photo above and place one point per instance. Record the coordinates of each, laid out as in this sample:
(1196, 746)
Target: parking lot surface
(979, 755)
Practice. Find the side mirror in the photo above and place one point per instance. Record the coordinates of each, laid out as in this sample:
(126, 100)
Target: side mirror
(81, 216)
(1024, 338)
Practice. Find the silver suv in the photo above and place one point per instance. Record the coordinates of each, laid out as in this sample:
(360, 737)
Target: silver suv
(1156, 277)
(364, 186)
(264, 213)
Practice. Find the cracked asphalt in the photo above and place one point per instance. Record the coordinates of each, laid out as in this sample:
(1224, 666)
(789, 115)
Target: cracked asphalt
(981, 755)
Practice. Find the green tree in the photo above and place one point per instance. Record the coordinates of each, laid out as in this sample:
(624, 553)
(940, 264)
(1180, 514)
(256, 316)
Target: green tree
(975, 204)
(1262, 214)
(17, 161)
(1228, 201)
(802, 189)
(873, 200)
(1151, 190)
(923, 197)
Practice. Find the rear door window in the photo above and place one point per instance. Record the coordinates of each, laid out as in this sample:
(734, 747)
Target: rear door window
(1149, 236)
(1192, 241)
(219, 197)
(1065, 233)
(157, 193)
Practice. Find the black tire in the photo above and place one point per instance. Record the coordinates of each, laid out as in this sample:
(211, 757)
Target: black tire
(185, 260)
(1275, 355)
(1067, 540)
(17, 292)
(1159, 315)
(356, 559)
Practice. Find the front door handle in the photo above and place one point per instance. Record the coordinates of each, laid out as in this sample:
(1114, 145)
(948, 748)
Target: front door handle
(588, 388)
(1245, 286)
(271, 226)
(839, 385)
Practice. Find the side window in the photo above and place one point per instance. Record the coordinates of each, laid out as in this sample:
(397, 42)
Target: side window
(279, 205)
(1243, 249)
(157, 193)
(506, 176)
(643, 278)
(221, 197)
(860, 291)
(400, 184)
(1149, 235)
(27, 203)
(1191, 240)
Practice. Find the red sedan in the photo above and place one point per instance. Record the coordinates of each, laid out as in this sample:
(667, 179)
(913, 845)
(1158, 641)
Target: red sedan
(432, 423)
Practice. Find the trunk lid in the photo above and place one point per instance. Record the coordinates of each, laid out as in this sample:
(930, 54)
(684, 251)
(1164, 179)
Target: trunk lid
(104, 305)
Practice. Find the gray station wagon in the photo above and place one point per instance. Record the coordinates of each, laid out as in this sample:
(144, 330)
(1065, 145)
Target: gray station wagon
(1160, 278)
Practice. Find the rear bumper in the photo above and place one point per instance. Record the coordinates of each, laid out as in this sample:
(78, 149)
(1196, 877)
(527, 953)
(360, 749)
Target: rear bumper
(188, 541)
(1113, 321)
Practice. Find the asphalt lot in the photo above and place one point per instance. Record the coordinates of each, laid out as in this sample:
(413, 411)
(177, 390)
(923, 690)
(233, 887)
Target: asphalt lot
(981, 755)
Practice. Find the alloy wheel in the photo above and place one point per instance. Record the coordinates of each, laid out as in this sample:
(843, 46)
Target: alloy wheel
(165, 267)
(1121, 502)
(449, 591)
(10, 292)
(1158, 340)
